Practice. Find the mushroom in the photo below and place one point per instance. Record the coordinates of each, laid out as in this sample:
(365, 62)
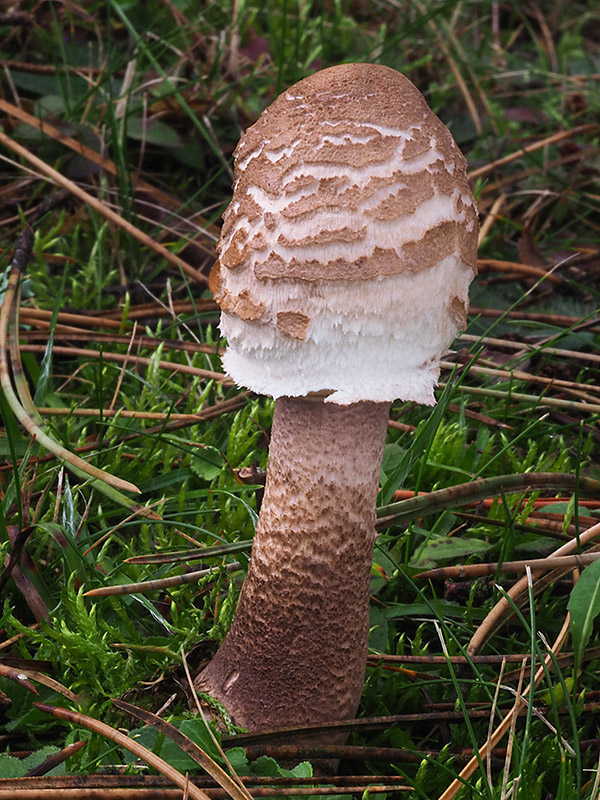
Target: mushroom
(344, 264)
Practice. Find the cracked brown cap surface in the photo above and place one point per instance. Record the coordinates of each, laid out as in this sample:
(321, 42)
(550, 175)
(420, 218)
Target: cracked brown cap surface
(350, 242)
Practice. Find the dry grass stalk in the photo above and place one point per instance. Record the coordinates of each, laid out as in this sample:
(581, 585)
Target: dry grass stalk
(493, 568)
(503, 609)
(120, 739)
(75, 352)
(531, 148)
(60, 180)
(506, 723)
(529, 347)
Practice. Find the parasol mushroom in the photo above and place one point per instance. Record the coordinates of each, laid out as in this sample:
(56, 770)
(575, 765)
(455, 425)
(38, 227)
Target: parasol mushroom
(346, 255)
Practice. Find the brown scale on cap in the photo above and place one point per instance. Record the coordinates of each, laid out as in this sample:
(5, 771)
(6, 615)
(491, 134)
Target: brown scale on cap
(294, 323)
(436, 244)
(458, 309)
(242, 305)
(406, 200)
(417, 146)
(323, 237)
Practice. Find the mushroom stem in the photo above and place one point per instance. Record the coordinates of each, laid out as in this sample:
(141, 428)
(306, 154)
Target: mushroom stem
(296, 651)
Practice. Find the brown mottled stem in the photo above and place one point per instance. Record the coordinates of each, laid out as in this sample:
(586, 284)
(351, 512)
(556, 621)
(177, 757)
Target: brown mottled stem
(296, 651)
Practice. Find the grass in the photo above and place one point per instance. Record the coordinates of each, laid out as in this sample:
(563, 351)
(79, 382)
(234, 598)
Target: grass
(159, 94)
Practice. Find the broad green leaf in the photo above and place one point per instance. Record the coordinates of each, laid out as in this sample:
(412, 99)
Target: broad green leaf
(39, 756)
(302, 770)
(268, 767)
(443, 608)
(265, 766)
(152, 131)
(444, 548)
(11, 767)
(49, 104)
(238, 760)
(584, 607)
(378, 629)
(207, 462)
(557, 693)
(196, 730)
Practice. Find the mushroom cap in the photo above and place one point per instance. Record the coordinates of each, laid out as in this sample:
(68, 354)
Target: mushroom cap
(348, 248)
